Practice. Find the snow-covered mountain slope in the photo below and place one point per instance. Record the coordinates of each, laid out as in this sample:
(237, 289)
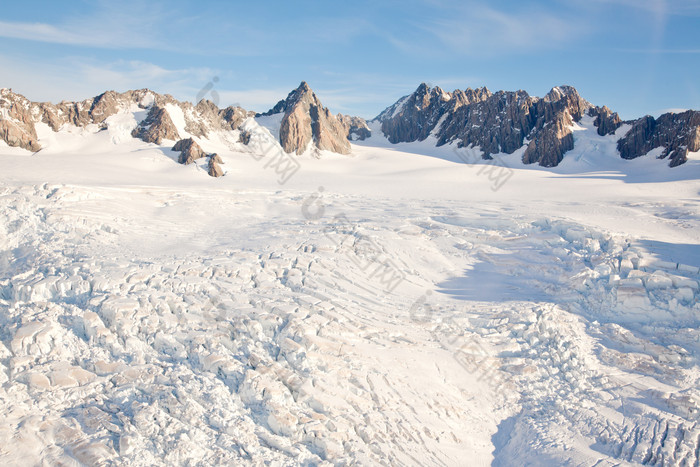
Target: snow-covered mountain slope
(392, 307)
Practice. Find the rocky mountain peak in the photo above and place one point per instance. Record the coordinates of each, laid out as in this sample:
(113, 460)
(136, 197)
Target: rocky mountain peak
(301, 94)
(303, 87)
(307, 121)
(559, 92)
(500, 122)
(422, 88)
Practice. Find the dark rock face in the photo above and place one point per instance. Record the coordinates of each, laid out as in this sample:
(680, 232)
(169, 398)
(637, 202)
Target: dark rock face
(156, 127)
(306, 120)
(677, 133)
(500, 122)
(414, 117)
(356, 128)
(606, 121)
(244, 137)
(497, 123)
(190, 151)
(551, 136)
(552, 141)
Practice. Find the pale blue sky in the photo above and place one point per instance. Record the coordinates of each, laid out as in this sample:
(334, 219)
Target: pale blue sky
(636, 56)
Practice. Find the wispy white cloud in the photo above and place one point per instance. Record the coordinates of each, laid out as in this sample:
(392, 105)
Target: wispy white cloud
(109, 25)
(665, 7)
(42, 32)
(77, 78)
(135, 25)
(478, 29)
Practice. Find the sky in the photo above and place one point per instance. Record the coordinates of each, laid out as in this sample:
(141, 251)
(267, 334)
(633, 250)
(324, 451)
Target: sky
(635, 56)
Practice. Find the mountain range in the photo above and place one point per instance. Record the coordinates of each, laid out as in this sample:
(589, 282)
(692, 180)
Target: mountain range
(501, 122)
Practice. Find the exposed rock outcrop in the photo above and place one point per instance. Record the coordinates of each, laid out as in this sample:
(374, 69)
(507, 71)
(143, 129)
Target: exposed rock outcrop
(414, 117)
(190, 151)
(606, 121)
(18, 116)
(356, 128)
(206, 117)
(306, 121)
(552, 134)
(97, 109)
(16, 122)
(552, 141)
(676, 133)
(214, 170)
(500, 122)
(497, 122)
(494, 122)
(156, 127)
(244, 137)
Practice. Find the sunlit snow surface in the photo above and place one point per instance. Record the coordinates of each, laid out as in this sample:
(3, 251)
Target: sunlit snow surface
(153, 315)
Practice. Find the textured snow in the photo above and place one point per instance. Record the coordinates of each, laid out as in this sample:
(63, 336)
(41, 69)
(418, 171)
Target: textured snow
(391, 307)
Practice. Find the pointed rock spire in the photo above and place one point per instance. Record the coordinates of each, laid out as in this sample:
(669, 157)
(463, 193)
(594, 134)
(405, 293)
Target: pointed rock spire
(307, 121)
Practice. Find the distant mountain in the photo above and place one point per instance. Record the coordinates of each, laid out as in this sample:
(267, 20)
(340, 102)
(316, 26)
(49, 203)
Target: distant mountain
(504, 122)
(675, 134)
(19, 116)
(307, 121)
(501, 122)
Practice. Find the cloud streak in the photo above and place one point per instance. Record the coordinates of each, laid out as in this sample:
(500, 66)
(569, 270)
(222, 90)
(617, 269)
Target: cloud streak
(42, 32)
(480, 30)
(77, 78)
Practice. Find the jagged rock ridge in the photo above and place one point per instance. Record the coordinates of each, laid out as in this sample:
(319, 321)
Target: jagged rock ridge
(500, 122)
(506, 121)
(307, 121)
(494, 122)
(19, 116)
(676, 133)
(356, 128)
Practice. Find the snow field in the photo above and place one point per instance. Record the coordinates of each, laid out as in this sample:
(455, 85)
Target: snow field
(128, 338)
